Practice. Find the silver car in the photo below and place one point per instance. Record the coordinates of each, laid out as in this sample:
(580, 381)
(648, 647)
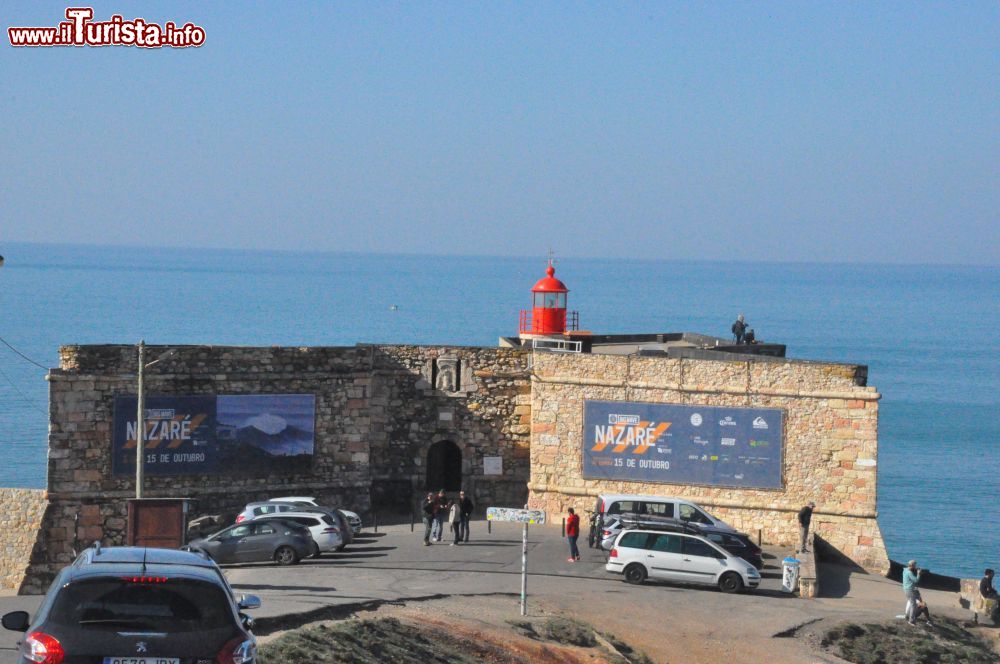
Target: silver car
(681, 558)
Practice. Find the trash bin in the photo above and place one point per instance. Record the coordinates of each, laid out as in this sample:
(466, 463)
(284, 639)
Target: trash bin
(789, 574)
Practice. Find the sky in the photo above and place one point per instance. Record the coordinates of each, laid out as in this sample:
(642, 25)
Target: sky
(782, 131)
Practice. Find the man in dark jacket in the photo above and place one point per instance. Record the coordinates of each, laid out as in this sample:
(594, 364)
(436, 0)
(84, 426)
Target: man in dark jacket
(805, 516)
(428, 508)
(988, 592)
(739, 329)
(465, 503)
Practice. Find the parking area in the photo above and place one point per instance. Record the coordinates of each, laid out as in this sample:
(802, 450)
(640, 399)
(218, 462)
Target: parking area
(393, 567)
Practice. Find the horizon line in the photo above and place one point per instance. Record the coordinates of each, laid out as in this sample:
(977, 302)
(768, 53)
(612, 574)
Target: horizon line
(418, 254)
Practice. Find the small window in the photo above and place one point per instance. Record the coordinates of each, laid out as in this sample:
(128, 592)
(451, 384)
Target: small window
(238, 531)
(539, 300)
(690, 513)
(633, 540)
(327, 519)
(666, 543)
(620, 506)
(660, 509)
(695, 547)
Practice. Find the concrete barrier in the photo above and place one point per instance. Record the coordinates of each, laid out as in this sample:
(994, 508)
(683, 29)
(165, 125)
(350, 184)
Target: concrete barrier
(808, 570)
(970, 598)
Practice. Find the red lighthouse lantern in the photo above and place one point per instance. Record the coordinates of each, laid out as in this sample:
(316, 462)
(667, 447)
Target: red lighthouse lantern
(548, 308)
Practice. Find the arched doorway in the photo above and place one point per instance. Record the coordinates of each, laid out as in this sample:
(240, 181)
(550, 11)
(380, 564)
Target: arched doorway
(444, 466)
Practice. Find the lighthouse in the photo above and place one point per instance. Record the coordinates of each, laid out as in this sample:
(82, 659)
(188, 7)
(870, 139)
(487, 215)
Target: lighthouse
(548, 315)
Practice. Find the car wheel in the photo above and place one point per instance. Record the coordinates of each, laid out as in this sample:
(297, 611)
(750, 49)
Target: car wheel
(635, 573)
(285, 555)
(730, 583)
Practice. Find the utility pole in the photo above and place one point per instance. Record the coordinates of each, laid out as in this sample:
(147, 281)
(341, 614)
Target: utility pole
(140, 421)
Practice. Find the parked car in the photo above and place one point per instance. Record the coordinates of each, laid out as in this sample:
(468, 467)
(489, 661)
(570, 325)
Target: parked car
(141, 605)
(308, 501)
(681, 558)
(739, 544)
(658, 506)
(274, 506)
(324, 528)
(277, 540)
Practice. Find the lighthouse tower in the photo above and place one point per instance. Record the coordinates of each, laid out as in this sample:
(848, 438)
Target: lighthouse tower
(548, 315)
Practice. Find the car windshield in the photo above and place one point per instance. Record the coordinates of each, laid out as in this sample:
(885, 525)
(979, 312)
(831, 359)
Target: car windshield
(161, 603)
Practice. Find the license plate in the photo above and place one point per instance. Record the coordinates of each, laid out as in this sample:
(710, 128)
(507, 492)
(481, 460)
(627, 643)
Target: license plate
(141, 660)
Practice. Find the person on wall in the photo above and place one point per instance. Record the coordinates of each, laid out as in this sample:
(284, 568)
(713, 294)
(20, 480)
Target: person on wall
(989, 594)
(915, 604)
(739, 329)
(572, 533)
(467, 507)
(805, 518)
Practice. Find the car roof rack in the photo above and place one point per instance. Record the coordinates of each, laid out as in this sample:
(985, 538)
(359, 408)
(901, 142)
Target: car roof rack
(640, 522)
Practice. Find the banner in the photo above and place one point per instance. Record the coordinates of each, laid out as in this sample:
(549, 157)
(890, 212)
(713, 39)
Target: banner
(675, 444)
(207, 435)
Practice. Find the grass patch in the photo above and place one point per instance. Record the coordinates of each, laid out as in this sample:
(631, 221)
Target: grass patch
(360, 642)
(569, 632)
(632, 656)
(900, 643)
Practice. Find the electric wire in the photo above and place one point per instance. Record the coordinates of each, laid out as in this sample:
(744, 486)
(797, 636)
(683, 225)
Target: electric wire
(31, 402)
(7, 344)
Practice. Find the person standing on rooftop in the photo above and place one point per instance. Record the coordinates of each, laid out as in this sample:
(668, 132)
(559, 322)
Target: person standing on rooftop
(739, 329)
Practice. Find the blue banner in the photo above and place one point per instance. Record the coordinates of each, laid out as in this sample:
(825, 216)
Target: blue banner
(207, 435)
(675, 444)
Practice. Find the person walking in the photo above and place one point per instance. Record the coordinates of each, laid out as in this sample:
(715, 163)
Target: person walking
(440, 513)
(572, 533)
(989, 594)
(455, 519)
(427, 509)
(805, 517)
(915, 604)
(465, 503)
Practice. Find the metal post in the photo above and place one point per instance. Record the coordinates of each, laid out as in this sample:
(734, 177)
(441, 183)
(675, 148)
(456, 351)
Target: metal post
(140, 424)
(376, 521)
(564, 528)
(524, 570)
(413, 518)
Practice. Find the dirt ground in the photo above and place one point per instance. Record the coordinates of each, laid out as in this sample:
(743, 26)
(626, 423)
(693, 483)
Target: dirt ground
(488, 622)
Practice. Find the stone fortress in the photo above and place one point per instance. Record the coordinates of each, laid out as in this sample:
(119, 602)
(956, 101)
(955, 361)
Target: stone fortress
(506, 424)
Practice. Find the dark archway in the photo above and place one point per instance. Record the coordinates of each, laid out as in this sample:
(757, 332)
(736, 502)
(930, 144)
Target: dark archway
(444, 466)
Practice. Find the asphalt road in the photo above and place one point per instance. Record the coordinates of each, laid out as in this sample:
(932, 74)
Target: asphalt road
(393, 566)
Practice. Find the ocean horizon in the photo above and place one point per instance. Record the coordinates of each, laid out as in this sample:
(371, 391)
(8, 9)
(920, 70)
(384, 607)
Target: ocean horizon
(924, 331)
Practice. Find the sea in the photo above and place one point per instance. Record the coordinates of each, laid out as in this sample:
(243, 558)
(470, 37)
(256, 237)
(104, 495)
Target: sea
(927, 333)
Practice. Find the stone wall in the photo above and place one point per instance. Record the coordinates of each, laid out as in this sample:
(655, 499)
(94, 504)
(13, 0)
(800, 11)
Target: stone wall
(830, 446)
(20, 522)
(378, 411)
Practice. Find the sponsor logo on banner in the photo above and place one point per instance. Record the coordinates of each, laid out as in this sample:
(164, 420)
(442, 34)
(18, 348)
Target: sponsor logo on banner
(696, 419)
(727, 421)
(760, 443)
(728, 442)
(760, 423)
(614, 418)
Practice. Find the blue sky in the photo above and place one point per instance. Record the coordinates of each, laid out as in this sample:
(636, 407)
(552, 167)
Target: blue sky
(767, 131)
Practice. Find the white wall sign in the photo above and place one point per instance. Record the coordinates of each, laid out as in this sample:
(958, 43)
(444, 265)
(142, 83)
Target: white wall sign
(493, 465)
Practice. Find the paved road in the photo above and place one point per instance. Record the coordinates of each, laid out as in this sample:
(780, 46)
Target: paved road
(392, 566)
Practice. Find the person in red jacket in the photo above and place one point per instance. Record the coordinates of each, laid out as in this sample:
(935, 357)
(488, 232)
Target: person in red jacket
(573, 532)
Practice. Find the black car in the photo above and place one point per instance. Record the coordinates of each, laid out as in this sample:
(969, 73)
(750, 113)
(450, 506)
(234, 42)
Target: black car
(739, 544)
(283, 542)
(135, 605)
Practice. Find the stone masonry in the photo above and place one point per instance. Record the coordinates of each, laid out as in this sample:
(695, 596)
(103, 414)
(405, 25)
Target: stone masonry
(378, 411)
(20, 522)
(830, 446)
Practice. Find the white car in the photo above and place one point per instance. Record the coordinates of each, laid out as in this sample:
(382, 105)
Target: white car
(352, 517)
(323, 528)
(679, 557)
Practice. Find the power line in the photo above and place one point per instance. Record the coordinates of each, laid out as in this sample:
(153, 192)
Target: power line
(31, 402)
(7, 344)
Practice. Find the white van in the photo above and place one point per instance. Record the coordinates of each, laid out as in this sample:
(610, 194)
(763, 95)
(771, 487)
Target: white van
(613, 504)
